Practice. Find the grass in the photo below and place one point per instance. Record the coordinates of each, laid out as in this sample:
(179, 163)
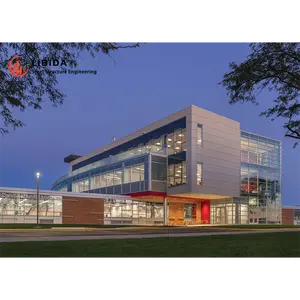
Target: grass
(282, 244)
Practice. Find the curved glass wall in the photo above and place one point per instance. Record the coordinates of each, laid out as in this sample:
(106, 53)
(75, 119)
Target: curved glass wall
(127, 172)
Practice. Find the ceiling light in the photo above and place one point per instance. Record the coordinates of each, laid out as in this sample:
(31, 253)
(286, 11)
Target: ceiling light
(177, 148)
(170, 140)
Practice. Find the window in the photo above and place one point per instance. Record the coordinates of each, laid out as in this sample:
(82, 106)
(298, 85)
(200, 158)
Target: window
(177, 174)
(102, 181)
(127, 175)
(158, 171)
(135, 173)
(109, 178)
(199, 173)
(176, 141)
(117, 177)
(199, 135)
(190, 211)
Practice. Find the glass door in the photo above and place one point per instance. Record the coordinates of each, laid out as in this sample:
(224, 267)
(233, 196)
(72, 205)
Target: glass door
(220, 215)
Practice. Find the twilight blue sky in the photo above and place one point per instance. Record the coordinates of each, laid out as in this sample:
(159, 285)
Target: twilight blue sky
(146, 84)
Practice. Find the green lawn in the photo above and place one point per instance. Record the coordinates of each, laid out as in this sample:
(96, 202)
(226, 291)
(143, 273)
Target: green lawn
(282, 244)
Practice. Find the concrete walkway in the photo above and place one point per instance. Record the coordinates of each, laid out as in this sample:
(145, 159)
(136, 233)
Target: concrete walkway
(34, 236)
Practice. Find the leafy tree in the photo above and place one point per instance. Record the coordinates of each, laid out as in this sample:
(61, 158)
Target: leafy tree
(272, 66)
(40, 83)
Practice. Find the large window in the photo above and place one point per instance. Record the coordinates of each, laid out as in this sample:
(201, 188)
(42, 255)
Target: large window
(13, 205)
(127, 175)
(199, 173)
(190, 211)
(118, 176)
(177, 174)
(159, 171)
(80, 185)
(199, 135)
(134, 173)
(176, 141)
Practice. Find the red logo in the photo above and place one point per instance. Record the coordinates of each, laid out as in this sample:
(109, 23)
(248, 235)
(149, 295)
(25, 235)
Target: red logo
(15, 67)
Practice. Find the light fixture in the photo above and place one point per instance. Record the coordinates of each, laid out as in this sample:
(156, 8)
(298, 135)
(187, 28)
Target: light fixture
(157, 143)
(177, 148)
(37, 174)
(170, 140)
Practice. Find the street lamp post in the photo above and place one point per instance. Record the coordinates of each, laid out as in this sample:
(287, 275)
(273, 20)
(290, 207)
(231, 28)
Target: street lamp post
(37, 175)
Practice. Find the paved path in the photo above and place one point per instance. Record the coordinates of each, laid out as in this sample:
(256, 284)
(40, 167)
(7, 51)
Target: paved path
(55, 236)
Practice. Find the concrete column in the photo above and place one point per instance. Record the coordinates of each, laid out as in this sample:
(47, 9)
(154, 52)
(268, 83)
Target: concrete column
(165, 211)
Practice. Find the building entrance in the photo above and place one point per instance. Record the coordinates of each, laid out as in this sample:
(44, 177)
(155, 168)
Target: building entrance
(220, 215)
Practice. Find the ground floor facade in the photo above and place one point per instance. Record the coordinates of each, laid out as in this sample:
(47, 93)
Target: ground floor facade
(20, 206)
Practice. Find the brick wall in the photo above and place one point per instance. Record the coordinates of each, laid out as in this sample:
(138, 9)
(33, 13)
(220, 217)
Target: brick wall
(76, 210)
(287, 216)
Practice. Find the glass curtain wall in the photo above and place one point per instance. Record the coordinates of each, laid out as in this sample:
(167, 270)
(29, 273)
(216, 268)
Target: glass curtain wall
(229, 211)
(22, 208)
(261, 177)
(132, 212)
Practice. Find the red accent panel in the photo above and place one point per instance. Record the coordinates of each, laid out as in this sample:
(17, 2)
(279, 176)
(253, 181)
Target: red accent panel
(205, 211)
(147, 193)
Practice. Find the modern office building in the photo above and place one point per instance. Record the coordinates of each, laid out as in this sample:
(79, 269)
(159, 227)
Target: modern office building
(200, 166)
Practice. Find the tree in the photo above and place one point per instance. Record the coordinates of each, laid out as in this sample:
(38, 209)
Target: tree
(272, 66)
(40, 83)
